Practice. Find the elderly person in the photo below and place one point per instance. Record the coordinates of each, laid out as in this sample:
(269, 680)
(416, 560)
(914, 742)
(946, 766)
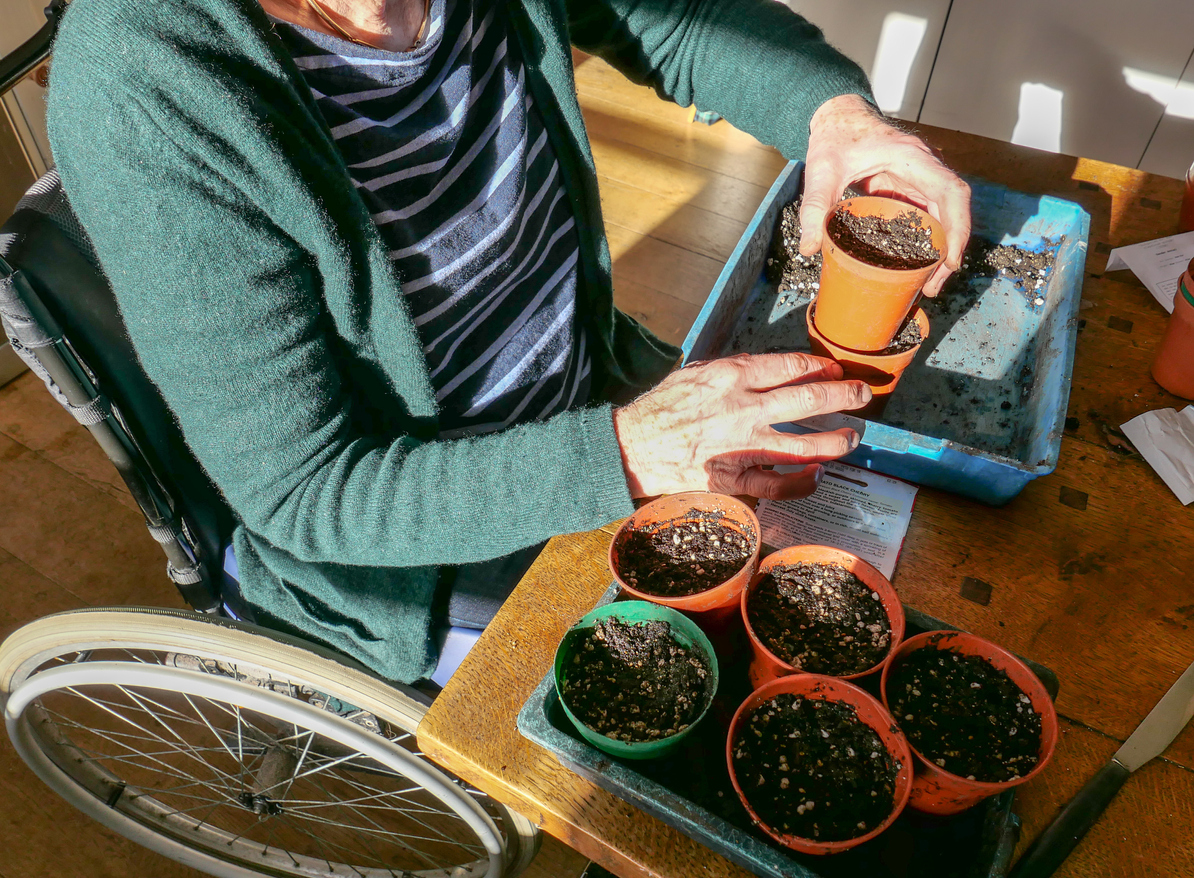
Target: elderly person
(358, 246)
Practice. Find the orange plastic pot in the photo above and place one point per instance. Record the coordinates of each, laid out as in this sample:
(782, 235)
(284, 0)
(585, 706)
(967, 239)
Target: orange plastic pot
(1173, 366)
(869, 710)
(711, 608)
(937, 791)
(766, 666)
(861, 306)
(882, 372)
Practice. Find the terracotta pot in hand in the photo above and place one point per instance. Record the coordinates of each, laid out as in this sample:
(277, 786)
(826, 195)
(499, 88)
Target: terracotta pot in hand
(881, 371)
(937, 791)
(862, 306)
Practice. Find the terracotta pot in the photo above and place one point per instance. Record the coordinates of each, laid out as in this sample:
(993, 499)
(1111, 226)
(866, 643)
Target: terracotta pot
(716, 606)
(1185, 222)
(870, 711)
(766, 666)
(861, 306)
(881, 371)
(937, 791)
(1173, 367)
(684, 629)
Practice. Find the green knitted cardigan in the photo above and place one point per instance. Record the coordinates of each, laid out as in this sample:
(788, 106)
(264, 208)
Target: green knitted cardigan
(261, 301)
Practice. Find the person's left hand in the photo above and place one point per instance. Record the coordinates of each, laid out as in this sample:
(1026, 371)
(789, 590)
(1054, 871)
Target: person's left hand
(850, 143)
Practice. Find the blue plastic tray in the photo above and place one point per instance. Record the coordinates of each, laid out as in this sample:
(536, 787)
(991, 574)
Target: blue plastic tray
(982, 409)
(690, 790)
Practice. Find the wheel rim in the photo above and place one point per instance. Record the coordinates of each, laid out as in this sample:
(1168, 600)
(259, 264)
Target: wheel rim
(248, 776)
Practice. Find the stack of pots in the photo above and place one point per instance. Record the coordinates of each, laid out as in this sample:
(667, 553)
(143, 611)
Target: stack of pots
(919, 783)
(860, 307)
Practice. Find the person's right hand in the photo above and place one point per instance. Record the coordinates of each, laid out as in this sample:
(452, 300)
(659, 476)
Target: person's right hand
(707, 427)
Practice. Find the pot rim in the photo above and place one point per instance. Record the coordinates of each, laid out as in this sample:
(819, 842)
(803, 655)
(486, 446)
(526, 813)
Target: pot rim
(938, 232)
(688, 628)
(807, 685)
(929, 639)
(739, 513)
(896, 629)
(920, 315)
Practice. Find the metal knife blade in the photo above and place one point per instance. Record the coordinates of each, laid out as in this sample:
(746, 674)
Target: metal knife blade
(1163, 723)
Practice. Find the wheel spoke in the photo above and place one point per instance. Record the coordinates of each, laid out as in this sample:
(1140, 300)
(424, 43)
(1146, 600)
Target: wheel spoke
(229, 774)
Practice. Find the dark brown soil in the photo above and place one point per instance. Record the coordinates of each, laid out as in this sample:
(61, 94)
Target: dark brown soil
(694, 553)
(900, 242)
(800, 274)
(820, 618)
(906, 339)
(634, 681)
(1027, 269)
(966, 715)
(812, 769)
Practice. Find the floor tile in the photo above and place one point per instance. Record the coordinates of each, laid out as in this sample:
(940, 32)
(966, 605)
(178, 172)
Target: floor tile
(30, 416)
(76, 535)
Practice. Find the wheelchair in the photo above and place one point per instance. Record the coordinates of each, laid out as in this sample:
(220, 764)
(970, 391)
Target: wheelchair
(231, 748)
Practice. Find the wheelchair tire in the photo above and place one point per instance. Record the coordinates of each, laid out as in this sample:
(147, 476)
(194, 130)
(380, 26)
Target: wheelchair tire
(239, 751)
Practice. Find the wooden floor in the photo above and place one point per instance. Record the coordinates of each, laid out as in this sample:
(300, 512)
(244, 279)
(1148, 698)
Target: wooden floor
(71, 536)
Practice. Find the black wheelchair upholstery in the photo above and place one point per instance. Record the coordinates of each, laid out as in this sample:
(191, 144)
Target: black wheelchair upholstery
(45, 242)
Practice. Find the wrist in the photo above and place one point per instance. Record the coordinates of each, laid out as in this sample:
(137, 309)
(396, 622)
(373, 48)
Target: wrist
(840, 106)
(627, 433)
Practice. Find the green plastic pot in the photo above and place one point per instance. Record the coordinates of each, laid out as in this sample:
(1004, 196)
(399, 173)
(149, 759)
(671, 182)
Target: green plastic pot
(684, 630)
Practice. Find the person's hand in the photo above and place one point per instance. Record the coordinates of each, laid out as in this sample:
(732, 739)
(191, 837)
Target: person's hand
(851, 144)
(707, 427)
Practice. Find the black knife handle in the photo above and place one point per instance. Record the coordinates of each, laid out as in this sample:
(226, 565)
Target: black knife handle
(1061, 836)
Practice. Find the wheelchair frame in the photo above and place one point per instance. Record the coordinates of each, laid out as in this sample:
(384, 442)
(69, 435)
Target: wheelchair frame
(271, 710)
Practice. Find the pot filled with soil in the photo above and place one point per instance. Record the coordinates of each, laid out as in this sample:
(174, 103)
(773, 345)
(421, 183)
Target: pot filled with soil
(819, 610)
(635, 678)
(881, 370)
(818, 763)
(694, 552)
(877, 255)
(977, 719)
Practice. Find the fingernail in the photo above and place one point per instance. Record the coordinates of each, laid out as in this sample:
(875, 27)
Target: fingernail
(867, 393)
(818, 474)
(854, 440)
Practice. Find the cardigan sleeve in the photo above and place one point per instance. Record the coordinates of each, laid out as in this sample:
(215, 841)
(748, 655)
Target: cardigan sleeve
(264, 320)
(755, 62)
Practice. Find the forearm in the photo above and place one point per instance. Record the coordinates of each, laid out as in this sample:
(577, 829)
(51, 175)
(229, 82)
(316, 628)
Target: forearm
(763, 67)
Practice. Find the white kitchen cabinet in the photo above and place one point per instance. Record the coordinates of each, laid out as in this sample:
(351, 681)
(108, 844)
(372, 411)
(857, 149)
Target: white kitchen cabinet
(1171, 151)
(1075, 76)
(894, 42)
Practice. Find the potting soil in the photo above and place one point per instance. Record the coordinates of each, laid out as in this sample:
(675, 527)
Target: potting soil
(965, 715)
(695, 553)
(813, 769)
(906, 339)
(901, 242)
(634, 681)
(819, 618)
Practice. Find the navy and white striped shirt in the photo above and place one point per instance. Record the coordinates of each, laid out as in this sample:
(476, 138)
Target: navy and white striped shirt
(452, 158)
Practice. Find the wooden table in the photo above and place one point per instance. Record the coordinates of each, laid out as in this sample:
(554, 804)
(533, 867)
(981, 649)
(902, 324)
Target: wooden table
(1090, 570)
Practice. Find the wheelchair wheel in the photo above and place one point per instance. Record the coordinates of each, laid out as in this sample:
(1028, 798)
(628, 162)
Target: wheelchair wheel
(239, 751)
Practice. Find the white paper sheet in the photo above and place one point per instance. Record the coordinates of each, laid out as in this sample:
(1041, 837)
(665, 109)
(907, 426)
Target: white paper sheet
(853, 509)
(1165, 438)
(1157, 263)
